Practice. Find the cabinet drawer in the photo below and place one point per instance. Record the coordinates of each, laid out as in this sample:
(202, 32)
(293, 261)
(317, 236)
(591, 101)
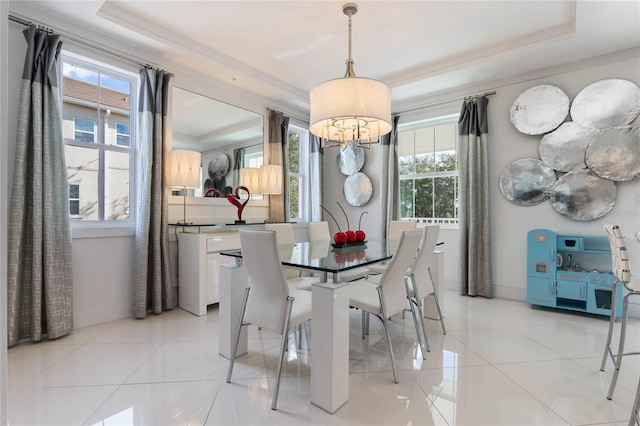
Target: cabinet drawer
(222, 242)
(571, 290)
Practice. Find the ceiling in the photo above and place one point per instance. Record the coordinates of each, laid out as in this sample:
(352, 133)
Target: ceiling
(424, 50)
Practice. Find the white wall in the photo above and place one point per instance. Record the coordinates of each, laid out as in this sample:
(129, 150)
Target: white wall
(509, 223)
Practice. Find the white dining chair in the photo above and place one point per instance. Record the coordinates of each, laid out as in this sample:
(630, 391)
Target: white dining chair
(396, 228)
(388, 296)
(268, 301)
(622, 270)
(285, 240)
(319, 231)
(421, 284)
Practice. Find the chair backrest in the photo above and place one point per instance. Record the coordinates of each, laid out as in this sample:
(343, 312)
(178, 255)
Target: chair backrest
(267, 302)
(394, 291)
(284, 233)
(319, 231)
(397, 227)
(425, 261)
(619, 255)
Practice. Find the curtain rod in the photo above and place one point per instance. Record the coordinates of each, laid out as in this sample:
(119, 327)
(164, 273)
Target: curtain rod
(446, 101)
(111, 52)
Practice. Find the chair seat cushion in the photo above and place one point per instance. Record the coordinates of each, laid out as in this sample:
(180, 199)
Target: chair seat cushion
(364, 295)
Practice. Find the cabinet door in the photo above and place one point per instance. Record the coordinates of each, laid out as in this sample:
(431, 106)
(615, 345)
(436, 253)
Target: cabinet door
(571, 290)
(541, 254)
(541, 291)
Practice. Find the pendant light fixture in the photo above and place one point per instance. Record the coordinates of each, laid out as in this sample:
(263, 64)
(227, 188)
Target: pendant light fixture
(350, 109)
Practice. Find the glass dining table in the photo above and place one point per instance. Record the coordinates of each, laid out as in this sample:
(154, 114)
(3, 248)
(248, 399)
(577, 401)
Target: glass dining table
(330, 309)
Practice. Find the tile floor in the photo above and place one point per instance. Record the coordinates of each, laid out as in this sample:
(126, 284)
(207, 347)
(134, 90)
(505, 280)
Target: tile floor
(501, 363)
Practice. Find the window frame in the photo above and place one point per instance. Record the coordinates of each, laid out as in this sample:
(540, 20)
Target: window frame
(128, 135)
(76, 130)
(102, 226)
(79, 199)
(444, 223)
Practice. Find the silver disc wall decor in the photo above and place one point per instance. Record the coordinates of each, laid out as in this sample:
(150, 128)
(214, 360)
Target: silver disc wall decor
(607, 103)
(564, 149)
(615, 154)
(219, 166)
(350, 159)
(581, 195)
(527, 181)
(358, 189)
(539, 109)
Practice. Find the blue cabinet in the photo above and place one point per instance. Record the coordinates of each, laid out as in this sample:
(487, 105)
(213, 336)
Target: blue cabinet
(570, 272)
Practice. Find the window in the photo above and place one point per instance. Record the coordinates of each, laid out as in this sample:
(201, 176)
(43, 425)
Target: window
(98, 114)
(428, 170)
(84, 130)
(122, 134)
(74, 199)
(297, 171)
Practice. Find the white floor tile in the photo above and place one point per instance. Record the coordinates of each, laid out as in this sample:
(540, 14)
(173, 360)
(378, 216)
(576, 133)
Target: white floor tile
(501, 363)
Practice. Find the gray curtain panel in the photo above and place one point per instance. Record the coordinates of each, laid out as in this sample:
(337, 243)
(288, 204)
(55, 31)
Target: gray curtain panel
(39, 270)
(278, 136)
(153, 289)
(238, 163)
(389, 177)
(315, 179)
(473, 163)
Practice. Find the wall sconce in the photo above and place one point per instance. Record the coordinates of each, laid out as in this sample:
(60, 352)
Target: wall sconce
(271, 179)
(184, 173)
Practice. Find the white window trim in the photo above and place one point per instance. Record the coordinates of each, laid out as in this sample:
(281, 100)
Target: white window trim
(123, 134)
(76, 130)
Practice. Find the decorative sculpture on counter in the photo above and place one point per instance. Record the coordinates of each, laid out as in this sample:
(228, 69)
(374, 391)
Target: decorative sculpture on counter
(235, 200)
(349, 237)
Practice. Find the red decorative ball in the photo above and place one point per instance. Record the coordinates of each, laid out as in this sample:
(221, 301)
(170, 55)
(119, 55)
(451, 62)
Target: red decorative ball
(360, 236)
(340, 238)
(360, 254)
(351, 236)
(351, 256)
(339, 258)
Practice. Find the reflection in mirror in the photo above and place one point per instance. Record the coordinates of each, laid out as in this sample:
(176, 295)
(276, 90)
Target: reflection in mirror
(228, 138)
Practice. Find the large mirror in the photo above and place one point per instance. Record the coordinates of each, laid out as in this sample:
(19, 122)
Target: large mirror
(227, 137)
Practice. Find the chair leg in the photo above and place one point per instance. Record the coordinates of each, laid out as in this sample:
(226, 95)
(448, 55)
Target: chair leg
(435, 298)
(232, 361)
(283, 346)
(423, 345)
(635, 419)
(385, 321)
(612, 319)
(364, 320)
(618, 358)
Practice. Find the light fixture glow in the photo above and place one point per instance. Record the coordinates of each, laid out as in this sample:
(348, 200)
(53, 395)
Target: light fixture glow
(250, 179)
(184, 172)
(350, 108)
(271, 179)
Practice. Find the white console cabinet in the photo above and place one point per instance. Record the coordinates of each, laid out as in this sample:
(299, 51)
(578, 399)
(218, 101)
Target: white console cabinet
(199, 262)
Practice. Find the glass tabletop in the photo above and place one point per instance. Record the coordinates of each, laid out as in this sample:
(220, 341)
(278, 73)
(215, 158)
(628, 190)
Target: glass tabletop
(322, 256)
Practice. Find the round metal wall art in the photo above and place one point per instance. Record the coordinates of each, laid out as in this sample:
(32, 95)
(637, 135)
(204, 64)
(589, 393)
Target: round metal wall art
(527, 181)
(350, 159)
(539, 109)
(358, 189)
(564, 149)
(615, 154)
(581, 195)
(607, 103)
(219, 166)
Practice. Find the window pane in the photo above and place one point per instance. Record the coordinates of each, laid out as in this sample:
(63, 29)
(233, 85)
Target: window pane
(74, 192)
(83, 166)
(445, 195)
(74, 207)
(84, 130)
(294, 202)
(407, 204)
(294, 152)
(445, 147)
(116, 186)
(424, 198)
